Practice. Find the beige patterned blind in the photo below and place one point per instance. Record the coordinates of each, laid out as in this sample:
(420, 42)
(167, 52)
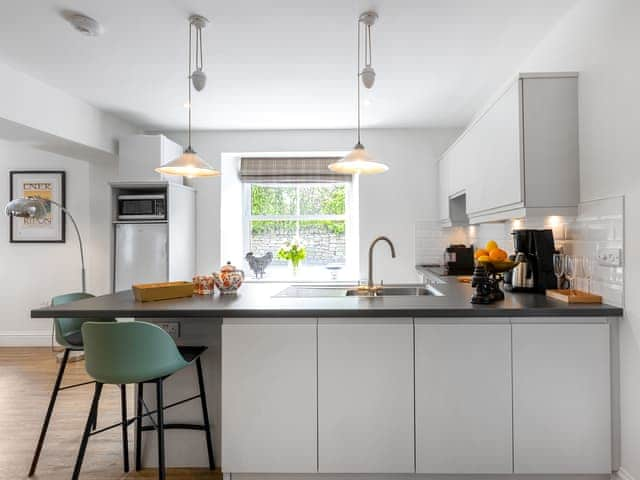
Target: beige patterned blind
(289, 170)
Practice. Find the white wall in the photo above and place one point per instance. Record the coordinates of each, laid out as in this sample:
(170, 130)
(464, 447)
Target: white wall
(601, 40)
(32, 273)
(53, 120)
(390, 204)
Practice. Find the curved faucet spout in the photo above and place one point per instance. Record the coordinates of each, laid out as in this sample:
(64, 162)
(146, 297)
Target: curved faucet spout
(373, 244)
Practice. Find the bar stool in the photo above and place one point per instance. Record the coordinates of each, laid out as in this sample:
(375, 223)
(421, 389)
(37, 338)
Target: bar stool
(139, 353)
(68, 334)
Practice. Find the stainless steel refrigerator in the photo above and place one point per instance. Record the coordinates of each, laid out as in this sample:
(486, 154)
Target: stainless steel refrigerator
(141, 254)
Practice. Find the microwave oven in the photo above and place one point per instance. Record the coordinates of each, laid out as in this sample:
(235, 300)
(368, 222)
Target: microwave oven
(142, 207)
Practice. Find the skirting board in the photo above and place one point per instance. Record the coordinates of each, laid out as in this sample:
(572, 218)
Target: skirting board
(25, 339)
(408, 476)
(622, 474)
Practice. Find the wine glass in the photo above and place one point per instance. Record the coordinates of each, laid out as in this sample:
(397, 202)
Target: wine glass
(558, 268)
(587, 269)
(570, 269)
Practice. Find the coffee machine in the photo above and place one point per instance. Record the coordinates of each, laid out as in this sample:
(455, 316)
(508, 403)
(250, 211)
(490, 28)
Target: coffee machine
(534, 253)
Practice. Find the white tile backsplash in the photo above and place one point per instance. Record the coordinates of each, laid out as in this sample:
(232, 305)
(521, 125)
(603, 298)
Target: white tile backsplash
(599, 224)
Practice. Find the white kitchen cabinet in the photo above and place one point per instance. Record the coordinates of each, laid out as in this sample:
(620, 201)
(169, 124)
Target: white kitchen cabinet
(365, 395)
(561, 398)
(269, 409)
(463, 398)
(443, 191)
(140, 155)
(519, 157)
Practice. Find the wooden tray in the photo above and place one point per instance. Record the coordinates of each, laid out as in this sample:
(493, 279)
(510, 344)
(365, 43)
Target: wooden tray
(151, 292)
(574, 296)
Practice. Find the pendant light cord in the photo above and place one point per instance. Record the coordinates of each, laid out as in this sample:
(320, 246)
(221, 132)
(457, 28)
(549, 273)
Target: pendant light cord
(189, 83)
(358, 83)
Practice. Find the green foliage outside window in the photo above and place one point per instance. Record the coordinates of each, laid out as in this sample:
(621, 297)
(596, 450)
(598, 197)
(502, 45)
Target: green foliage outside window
(321, 199)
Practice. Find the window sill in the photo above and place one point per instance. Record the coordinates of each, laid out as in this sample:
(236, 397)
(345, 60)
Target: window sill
(305, 274)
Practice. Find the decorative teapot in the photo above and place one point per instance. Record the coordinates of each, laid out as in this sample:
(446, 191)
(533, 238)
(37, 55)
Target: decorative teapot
(229, 279)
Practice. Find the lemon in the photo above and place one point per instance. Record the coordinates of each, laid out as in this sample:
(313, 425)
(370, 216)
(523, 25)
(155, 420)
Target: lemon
(491, 245)
(484, 258)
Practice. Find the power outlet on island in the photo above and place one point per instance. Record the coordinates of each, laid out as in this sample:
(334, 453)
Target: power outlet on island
(172, 328)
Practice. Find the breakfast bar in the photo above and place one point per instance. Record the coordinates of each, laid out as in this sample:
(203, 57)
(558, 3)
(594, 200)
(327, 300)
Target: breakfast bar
(305, 380)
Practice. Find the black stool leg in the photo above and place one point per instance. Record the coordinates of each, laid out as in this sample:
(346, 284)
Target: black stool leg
(87, 430)
(125, 438)
(160, 408)
(47, 417)
(139, 396)
(205, 414)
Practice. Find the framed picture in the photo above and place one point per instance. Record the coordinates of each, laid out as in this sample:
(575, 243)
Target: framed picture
(45, 184)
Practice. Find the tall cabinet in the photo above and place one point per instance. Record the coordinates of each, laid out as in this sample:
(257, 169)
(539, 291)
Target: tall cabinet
(146, 251)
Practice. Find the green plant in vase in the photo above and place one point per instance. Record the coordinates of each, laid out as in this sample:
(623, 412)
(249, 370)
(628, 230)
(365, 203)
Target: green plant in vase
(294, 252)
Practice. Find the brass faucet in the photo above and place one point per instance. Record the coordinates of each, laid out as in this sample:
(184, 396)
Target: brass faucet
(370, 286)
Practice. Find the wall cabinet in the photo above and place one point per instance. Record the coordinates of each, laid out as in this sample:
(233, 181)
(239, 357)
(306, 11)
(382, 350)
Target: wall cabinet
(269, 411)
(140, 155)
(519, 157)
(561, 399)
(463, 398)
(365, 395)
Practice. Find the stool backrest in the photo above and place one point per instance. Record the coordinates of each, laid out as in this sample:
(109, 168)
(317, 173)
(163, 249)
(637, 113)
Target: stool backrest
(64, 326)
(129, 352)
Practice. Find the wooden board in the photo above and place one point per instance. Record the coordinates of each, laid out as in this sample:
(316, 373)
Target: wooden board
(151, 292)
(574, 296)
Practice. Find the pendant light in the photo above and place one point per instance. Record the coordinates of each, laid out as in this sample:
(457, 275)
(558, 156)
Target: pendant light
(359, 161)
(189, 164)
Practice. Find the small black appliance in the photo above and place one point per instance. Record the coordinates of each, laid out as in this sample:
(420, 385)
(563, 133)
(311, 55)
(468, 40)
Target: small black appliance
(534, 253)
(458, 260)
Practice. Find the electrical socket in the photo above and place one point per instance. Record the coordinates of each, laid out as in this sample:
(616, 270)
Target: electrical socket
(610, 257)
(172, 328)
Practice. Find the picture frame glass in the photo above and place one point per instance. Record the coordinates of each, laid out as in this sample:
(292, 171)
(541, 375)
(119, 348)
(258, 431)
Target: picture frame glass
(48, 185)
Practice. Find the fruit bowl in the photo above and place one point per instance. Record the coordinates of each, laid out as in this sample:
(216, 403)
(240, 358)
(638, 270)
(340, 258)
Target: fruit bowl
(498, 267)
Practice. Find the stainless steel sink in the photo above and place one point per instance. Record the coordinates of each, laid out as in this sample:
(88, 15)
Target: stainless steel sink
(409, 291)
(333, 291)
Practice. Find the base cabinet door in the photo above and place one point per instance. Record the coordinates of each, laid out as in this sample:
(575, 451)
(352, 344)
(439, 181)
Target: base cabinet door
(269, 409)
(463, 398)
(562, 402)
(365, 395)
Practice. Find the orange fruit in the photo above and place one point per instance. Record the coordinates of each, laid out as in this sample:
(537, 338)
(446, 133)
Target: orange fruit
(484, 258)
(480, 253)
(491, 245)
(498, 255)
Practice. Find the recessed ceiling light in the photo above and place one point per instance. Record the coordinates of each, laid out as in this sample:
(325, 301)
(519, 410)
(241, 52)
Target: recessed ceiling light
(83, 24)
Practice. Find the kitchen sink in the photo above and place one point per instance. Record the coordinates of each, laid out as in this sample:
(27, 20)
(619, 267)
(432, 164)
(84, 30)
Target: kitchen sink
(409, 291)
(336, 291)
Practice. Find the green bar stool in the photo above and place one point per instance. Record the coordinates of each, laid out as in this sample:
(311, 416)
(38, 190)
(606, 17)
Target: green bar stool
(139, 353)
(68, 335)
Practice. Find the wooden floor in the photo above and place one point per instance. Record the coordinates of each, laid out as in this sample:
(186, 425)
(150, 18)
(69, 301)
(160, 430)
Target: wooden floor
(26, 380)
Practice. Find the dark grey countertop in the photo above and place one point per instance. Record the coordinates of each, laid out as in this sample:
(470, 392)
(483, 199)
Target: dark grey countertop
(256, 300)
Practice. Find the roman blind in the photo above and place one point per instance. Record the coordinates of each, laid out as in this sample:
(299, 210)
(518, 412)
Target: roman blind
(289, 170)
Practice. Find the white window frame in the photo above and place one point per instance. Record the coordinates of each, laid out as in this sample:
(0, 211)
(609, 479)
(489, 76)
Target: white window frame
(349, 217)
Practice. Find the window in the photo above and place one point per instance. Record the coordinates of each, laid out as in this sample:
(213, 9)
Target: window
(316, 213)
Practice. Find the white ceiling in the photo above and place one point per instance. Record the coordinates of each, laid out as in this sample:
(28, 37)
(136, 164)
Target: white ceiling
(279, 63)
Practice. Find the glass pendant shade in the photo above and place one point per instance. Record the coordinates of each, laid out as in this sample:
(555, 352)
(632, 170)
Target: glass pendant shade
(358, 162)
(190, 165)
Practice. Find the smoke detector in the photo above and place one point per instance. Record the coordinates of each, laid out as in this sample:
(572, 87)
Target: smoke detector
(85, 25)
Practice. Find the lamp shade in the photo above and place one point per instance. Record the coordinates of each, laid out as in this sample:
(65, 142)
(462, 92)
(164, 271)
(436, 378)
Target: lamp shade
(190, 165)
(358, 161)
(26, 208)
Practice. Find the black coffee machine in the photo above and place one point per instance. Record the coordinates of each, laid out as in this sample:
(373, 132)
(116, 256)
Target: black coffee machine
(534, 251)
